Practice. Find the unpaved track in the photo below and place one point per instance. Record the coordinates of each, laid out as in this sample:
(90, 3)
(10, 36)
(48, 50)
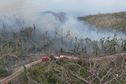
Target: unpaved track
(19, 69)
(17, 72)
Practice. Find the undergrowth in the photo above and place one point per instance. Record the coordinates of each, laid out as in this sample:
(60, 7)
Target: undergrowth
(76, 71)
(63, 71)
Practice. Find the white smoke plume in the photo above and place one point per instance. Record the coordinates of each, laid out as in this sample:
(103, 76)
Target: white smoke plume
(24, 13)
(21, 13)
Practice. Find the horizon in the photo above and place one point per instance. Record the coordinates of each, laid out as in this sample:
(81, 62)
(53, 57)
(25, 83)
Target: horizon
(71, 7)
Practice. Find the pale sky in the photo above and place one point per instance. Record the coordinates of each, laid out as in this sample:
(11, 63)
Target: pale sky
(73, 7)
(80, 6)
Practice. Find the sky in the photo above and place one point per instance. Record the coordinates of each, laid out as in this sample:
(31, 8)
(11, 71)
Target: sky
(83, 6)
(72, 7)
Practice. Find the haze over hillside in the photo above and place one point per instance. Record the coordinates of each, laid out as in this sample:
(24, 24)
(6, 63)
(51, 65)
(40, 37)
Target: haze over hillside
(107, 21)
(31, 29)
(52, 17)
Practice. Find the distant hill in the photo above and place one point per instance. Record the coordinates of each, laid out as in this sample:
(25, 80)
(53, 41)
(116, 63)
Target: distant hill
(61, 16)
(105, 21)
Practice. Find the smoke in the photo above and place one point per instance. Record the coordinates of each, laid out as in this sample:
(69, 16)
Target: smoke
(16, 14)
(22, 9)
(10, 7)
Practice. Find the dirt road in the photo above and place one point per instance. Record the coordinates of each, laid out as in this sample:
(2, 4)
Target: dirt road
(19, 69)
(17, 72)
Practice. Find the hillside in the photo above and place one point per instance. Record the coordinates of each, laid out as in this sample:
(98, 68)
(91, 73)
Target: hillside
(106, 21)
(102, 70)
(28, 45)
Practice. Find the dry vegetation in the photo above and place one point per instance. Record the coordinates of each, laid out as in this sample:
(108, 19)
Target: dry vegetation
(103, 21)
(111, 71)
(64, 71)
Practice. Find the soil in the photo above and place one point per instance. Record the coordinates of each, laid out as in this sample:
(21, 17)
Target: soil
(30, 60)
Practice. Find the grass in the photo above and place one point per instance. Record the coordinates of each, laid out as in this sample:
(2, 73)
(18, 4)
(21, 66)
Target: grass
(107, 21)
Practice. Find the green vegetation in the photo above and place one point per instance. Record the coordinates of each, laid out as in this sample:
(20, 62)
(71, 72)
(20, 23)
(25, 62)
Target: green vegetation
(106, 21)
(63, 71)
(4, 72)
(66, 71)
